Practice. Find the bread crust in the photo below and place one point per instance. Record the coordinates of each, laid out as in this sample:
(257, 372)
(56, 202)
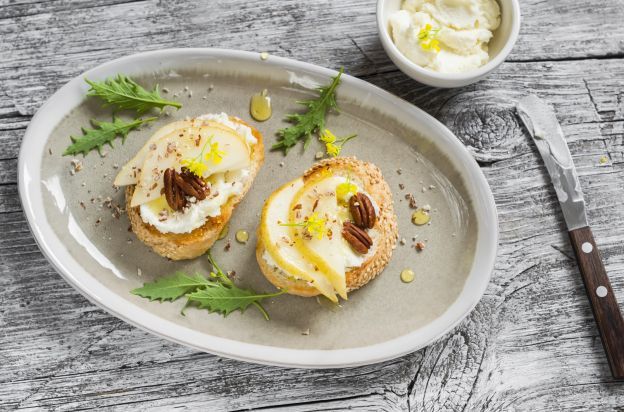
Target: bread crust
(179, 246)
(386, 226)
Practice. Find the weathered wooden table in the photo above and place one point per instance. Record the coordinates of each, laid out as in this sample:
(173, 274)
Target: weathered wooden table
(530, 344)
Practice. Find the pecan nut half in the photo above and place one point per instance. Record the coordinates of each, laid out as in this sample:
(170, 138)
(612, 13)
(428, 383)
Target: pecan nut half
(200, 188)
(174, 196)
(179, 185)
(362, 211)
(357, 238)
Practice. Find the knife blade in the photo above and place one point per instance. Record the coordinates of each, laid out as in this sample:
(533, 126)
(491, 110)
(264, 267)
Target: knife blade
(540, 120)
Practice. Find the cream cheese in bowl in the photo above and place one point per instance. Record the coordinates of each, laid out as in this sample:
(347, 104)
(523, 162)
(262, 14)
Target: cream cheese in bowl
(446, 36)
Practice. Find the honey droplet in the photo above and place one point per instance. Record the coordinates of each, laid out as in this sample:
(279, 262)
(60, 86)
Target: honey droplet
(242, 236)
(420, 217)
(407, 275)
(260, 106)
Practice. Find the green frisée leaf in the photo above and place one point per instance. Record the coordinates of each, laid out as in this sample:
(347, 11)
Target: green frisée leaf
(217, 293)
(101, 134)
(224, 299)
(313, 120)
(171, 287)
(124, 93)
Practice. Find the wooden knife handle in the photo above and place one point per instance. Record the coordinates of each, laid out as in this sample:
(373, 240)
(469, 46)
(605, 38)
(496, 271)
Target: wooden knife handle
(604, 305)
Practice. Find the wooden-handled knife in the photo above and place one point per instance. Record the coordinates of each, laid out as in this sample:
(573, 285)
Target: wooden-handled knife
(540, 121)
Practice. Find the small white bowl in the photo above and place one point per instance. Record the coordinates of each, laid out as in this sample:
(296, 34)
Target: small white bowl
(499, 47)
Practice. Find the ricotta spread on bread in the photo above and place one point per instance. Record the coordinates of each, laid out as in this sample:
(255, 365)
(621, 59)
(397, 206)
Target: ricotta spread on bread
(222, 186)
(212, 149)
(225, 120)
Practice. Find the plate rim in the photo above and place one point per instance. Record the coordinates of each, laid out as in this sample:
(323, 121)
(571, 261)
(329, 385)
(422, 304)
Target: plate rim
(29, 189)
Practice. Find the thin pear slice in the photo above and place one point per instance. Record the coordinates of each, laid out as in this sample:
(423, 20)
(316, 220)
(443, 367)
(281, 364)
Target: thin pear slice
(128, 175)
(278, 243)
(159, 204)
(318, 195)
(169, 151)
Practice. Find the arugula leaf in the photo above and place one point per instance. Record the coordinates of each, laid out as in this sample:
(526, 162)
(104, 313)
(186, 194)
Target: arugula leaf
(103, 133)
(125, 93)
(171, 287)
(313, 120)
(221, 298)
(217, 294)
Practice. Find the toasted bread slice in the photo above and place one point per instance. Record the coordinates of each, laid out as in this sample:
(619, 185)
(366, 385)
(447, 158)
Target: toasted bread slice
(179, 246)
(386, 225)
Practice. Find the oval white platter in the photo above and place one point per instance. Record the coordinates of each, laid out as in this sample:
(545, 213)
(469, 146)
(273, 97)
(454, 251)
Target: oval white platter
(383, 320)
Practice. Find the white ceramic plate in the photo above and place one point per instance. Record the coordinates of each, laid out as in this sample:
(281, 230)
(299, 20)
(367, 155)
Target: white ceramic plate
(383, 320)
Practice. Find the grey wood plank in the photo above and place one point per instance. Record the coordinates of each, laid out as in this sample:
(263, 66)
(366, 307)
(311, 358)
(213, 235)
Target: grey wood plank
(11, 132)
(8, 171)
(9, 200)
(50, 43)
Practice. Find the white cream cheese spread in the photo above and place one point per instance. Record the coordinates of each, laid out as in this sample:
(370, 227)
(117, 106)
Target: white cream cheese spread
(223, 186)
(225, 120)
(447, 36)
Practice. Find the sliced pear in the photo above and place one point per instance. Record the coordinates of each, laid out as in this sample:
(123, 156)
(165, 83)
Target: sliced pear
(318, 195)
(278, 242)
(170, 150)
(158, 205)
(127, 175)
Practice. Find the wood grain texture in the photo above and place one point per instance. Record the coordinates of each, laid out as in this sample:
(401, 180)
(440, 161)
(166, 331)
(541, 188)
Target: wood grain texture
(530, 344)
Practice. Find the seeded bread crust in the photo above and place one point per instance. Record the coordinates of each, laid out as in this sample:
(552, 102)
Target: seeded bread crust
(179, 246)
(386, 226)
